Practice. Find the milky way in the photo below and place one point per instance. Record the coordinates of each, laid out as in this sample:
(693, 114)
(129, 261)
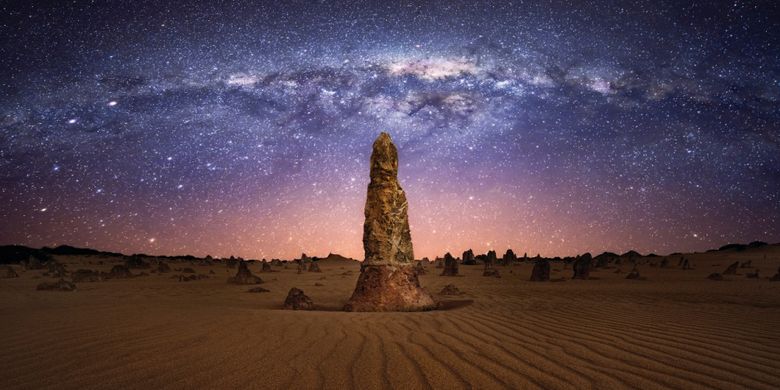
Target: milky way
(238, 128)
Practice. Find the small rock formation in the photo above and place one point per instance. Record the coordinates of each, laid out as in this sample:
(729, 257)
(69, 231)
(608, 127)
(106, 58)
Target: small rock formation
(715, 276)
(686, 265)
(468, 258)
(189, 278)
(86, 276)
(244, 275)
(119, 271)
(163, 267)
(266, 267)
(603, 260)
(135, 262)
(732, 269)
(276, 263)
(509, 258)
(541, 271)
(747, 264)
(634, 274)
(420, 268)
(6, 272)
(664, 264)
(450, 289)
(34, 263)
(258, 290)
(314, 267)
(492, 272)
(297, 300)
(387, 281)
(60, 285)
(776, 277)
(438, 262)
(450, 266)
(581, 267)
(489, 269)
(752, 275)
(56, 269)
(491, 257)
(301, 265)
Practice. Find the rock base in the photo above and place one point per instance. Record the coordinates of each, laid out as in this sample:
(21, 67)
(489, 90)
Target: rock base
(389, 288)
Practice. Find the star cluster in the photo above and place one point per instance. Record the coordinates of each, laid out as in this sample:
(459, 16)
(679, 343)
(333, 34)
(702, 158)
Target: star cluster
(245, 128)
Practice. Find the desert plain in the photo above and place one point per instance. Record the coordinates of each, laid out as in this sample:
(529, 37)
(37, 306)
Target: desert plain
(674, 328)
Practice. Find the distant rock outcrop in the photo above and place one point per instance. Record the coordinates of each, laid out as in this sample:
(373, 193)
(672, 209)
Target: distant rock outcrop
(731, 269)
(163, 267)
(491, 257)
(35, 263)
(489, 269)
(541, 271)
(244, 275)
(86, 276)
(581, 267)
(135, 262)
(60, 285)
(266, 267)
(603, 260)
(297, 300)
(7, 272)
(118, 271)
(420, 268)
(450, 266)
(491, 272)
(468, 258)
(56, 269)
(634, 274)
(314, 267)
(509, 258)
(715, 276)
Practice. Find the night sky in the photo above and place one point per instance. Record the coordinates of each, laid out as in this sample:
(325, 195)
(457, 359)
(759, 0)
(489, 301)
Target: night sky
(235, 128)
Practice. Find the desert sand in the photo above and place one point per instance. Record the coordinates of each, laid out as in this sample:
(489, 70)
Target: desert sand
(676, 329)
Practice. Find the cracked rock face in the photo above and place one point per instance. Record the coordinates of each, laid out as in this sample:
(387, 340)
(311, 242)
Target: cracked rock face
(388, 281)
(387, 239)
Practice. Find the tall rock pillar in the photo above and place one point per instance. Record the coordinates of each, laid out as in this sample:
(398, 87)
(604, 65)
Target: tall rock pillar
(388, 281)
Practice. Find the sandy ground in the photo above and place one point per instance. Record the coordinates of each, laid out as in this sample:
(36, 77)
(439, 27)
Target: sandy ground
(674, 330)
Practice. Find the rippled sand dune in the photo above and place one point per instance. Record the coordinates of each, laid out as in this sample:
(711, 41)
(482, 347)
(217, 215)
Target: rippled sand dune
(674, 330)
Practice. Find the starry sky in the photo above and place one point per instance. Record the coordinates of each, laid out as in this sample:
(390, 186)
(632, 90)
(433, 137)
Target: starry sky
(245, 128)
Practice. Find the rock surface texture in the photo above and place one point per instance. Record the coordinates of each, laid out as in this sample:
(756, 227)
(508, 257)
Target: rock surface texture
(387, 281)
